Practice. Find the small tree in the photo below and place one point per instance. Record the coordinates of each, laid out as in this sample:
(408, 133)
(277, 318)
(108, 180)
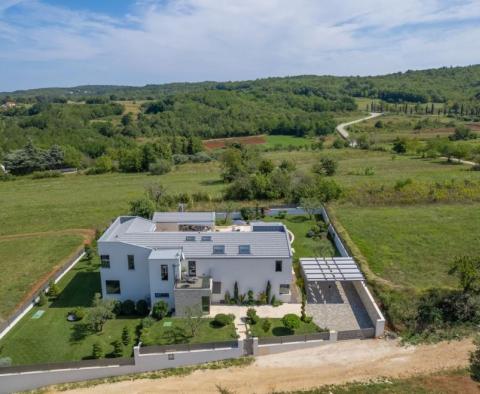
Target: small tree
(266, 325)
(160, 310)
(89, 253)
(252, 316)
(467, 270)
(251, 300)
(227, 297)
(310, 205)
(291, 321)
(475, 361)
(42, 298)
(268, 292)
(194, 320)
(143, 207)
(142, 307)
(101, 311)
(117, 348)
(53, 290)
(125, 336)
(97, 350)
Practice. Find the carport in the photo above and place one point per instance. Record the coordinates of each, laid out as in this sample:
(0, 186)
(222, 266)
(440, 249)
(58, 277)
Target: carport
(332, 298)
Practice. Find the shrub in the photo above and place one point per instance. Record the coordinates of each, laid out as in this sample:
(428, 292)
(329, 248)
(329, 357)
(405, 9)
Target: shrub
(273, 300)
(117, 349)
(42, 299)
(201, 157)
(379, 124)
(250, 301)
(160, 310)
(266, 325)
(291, 321)
(117, 307)
(79, 313)
(180, 159)
(143, 207)
(221, 319)
(97, 350)
(147, 322)
(160, 167)
(89, 252)
(5, 362)
(128, 307)
(262, 298)
(142, 307)
(252, 316)
(475, 361)
(125, 336)
(53, 290)
(227, 297)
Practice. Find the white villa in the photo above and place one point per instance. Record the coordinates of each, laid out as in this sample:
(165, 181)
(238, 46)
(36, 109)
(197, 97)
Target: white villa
(185, 260)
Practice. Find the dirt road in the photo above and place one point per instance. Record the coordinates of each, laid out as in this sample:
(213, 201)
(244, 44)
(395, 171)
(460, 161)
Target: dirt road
(302, 369)
(342, 128)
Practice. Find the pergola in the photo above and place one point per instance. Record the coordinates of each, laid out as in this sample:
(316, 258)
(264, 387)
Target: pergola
(330, 269)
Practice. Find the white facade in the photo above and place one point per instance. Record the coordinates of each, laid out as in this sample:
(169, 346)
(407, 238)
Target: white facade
(139, 261)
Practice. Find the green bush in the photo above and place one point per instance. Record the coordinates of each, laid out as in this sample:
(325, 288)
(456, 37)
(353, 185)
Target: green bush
(125, 336)
(291, 321)
(475, 361)
(42, 298)
(266, 325)
(142, 307)
(160, 310)
(53, 290)
(221, 319)
(97, 350)
(160, 167)
(128, 308)
(252, 316)
(117, 349)
(147, 322)
(79, 313)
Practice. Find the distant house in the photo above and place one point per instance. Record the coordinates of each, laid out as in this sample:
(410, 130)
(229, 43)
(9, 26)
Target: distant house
(9, 105)
(183, 259)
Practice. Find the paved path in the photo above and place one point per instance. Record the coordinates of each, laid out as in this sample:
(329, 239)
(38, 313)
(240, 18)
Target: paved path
(342, 128)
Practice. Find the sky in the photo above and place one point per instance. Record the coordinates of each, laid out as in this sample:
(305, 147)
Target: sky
(45, 43)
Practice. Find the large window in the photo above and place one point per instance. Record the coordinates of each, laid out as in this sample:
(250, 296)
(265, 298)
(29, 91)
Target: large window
(192, 268)
(217, 287)
(278, 266)
(105, 261)
(164, 271)
(131, 261)
(112, 286)
(162, 295)
(284, 289)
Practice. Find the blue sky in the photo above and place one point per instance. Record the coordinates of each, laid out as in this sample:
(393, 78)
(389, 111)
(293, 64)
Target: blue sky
(66, 43)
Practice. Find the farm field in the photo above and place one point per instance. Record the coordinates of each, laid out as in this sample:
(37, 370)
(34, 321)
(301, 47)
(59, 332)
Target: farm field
(413, 245)
(269, 141)
(25, 260)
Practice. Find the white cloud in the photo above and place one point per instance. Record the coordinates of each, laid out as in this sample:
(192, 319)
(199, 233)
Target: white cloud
(239, 39)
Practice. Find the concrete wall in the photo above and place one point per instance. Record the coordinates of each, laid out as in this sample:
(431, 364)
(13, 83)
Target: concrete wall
(189, 298)
(157, 285)
(143, 363)
(372, 308)
(250, 274)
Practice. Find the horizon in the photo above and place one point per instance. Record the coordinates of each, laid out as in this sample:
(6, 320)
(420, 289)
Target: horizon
(56, 43)
(236, 80)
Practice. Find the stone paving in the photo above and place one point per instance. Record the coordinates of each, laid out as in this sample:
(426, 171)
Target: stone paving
(336, 306)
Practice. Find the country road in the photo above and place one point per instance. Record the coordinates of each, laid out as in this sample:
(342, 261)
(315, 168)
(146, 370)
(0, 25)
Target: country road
(342, 127)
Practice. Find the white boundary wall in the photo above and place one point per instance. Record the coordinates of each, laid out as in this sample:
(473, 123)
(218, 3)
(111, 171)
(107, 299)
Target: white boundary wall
(23, 381)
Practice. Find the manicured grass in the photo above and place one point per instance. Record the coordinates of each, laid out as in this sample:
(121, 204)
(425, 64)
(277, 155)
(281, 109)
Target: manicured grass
(24, 260)
(413, 245)
(277, 328)
(51, 338)
(179, 332)
(299, 225)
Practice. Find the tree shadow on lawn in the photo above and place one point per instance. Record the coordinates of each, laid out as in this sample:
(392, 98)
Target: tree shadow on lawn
(281, 331)
(212, 182)
(79, 332)
(176, 335)
(79, 291)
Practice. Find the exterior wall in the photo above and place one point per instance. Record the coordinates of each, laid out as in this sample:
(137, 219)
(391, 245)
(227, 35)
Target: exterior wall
(134, 284)
(167, 226)
(372, 309)
(189, 298)
(250, 274)
(157, 285)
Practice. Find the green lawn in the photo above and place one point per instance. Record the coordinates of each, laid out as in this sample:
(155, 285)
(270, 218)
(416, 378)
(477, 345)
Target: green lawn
(413, 245)
(304, 246)
(51, 338)
(24, 260)
(176, 330)
(277, 328)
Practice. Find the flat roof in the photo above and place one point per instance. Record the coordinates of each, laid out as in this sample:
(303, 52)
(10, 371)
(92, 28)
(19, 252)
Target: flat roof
(330, 269)
(183, 217)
